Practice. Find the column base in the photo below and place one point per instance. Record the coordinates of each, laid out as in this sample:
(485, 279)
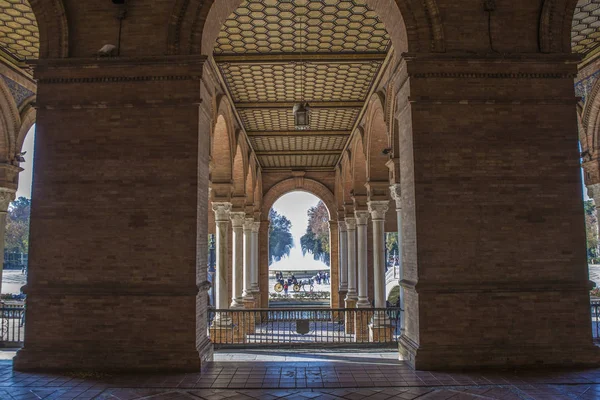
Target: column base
(508, 356)
(349, 317)
(380, 333)
(363, 303)
(221, 334)
(342, 298)
(361, 325)
(249, 317)
(113, 360)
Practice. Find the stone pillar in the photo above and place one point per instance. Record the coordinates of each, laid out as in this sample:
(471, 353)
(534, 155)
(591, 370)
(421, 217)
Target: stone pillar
(6, 196)
(594, 194)
(334, 270)
(362, 318)
(351, 295)
(343, 260)
(362, 218)
(254, 285)
(247, 291)
(237, 224)
(379, 330)
(396, 193)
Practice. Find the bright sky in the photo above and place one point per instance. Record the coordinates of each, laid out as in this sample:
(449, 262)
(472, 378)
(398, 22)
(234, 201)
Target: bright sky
(294, 207)
(24, 189)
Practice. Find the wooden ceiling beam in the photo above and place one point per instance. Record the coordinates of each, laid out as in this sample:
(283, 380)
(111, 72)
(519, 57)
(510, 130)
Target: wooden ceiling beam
(290, 104)
(296, 133)
(298, 168)
(270, 58)
(298, 153)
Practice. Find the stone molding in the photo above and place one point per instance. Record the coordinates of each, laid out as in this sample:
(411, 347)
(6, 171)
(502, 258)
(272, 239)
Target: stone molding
(362, 217)
(256, 226)
(350, 223)
(248, 224)
(342, 226)
(6, 197)
(378, 210)
(396, 192)
(222, 211)
(237, 218)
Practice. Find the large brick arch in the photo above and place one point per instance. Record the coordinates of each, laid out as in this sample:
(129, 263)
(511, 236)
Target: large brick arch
(304, 184)
(376, 139)
(413, 25)
(53, 26)
(555, 26)
(10, 123)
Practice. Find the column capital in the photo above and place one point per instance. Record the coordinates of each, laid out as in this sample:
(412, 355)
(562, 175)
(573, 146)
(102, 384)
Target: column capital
(396, 192)
(362, 217)
(222, 210)
(378, 209)
(237, 218)
(248, 222)
(6, 196)
(342, 226)
(256, 226)
(351, 223)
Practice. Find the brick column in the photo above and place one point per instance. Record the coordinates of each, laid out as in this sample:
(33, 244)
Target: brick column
(333, 263)
(254, 285)
(263, 263)
(396, 192)
(114, 284)
(343, 260)
(495, 269)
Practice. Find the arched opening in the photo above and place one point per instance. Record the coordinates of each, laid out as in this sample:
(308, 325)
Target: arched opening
(299, 251)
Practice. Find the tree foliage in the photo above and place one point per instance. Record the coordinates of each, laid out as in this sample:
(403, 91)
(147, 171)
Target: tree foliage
(316, 238)
(280, 237)
(16, 239)
(591, 231)
(391, 242)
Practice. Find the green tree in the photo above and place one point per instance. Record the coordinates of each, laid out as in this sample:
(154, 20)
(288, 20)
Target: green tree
(391, 242)
(280, 237)
(16, 239)
(591, 231)
(316, 238)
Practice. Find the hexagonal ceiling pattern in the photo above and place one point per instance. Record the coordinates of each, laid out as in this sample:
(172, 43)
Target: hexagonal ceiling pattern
(273, 53)
(19, 34)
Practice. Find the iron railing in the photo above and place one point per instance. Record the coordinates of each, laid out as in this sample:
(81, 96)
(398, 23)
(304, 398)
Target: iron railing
(12, 325)
(304, 326)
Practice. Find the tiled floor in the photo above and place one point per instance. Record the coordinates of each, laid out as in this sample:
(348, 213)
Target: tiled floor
(323, 375)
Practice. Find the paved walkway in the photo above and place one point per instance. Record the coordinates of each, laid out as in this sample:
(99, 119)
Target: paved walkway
(348, 376)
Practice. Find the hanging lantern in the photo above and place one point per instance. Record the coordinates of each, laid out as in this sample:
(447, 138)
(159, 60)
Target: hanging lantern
(302, 116)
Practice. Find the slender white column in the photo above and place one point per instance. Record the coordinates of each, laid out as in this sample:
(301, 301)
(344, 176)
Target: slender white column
(351, 295)
(247, 292)
(6, 196)
(220, 283)
(343, 256)
(254, 286)
(378, 210)
(397, 196)
(237, 223)
(362, 218)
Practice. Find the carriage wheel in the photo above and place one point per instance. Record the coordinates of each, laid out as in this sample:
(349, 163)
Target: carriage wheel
(278, 287)
(296, 288)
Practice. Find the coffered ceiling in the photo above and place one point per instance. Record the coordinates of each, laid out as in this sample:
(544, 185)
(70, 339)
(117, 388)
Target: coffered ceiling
(19, 34)
(274, 53)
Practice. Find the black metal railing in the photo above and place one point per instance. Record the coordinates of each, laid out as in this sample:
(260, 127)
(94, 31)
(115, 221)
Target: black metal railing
(595, 311)
(12, 325)
(304, 326)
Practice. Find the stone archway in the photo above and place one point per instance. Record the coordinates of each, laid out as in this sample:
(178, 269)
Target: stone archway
(317, 189)
(194, 25)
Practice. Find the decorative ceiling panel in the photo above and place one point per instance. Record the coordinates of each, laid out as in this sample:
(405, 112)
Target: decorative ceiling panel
(281, 119)
(298, 161)
(19, 34)
(280, 82)
(312, 26)
(585, 33)
(298, 143)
